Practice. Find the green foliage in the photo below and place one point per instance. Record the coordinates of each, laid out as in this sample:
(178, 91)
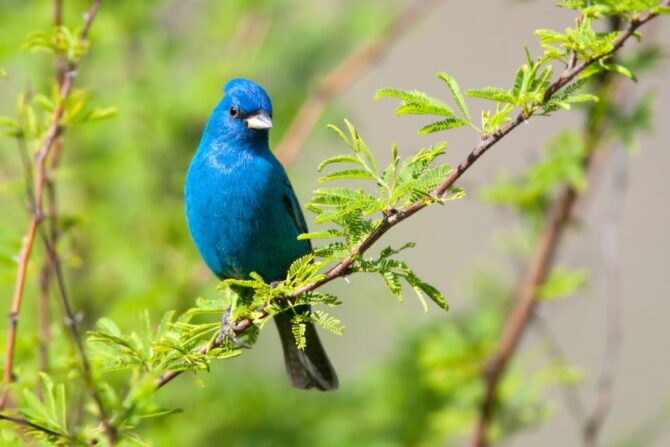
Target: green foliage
(627, 9)
(49, 413)
(173, 345)
(123, 177)
(61, 41)
(561, 283)
(393, 271)
(628, 124)
(419, 103)
(189, 342)
(532, 191)
(530, 88)
(399, 185)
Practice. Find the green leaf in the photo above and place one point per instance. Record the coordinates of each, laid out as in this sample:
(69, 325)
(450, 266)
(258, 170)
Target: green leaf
(339, 132)
(100, 113)
(298, 328)
(518, 81)
(108, 326)
(562, 283)
(362, 151)
(492, 94)
(416, 102)
(348, 174)
(550, 36)
(584, 97)
(622, 70)
(456, 92)
(320, 235)
(439, 126)
(44, 102)
(327, 322)
(338, 159)
(392, 280)
(434, 294)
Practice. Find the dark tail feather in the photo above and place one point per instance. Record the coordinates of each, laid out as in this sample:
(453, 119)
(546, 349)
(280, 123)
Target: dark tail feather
(308, 368)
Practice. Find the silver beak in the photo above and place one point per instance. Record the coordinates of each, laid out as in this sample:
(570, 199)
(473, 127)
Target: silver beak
(259, 121)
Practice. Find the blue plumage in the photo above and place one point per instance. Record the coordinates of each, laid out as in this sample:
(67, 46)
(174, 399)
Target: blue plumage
(243, 214)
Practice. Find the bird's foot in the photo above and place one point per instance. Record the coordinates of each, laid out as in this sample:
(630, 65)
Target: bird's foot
(229, 329)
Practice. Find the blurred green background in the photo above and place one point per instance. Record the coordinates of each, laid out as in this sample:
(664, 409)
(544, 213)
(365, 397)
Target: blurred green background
(162, 65)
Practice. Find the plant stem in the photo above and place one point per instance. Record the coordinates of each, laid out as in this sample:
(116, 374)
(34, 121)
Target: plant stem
(48, 146)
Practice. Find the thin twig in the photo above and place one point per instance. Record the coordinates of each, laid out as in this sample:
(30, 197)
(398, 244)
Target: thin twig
(613, 298)
(525, 302)
(344, 75)
(71, 323)
(37, 216)
(485, 143)
(44, 279)
(26, 423)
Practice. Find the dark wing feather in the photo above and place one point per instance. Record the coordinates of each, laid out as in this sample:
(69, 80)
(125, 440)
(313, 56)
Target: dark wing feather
(293, 208)
(309, 367)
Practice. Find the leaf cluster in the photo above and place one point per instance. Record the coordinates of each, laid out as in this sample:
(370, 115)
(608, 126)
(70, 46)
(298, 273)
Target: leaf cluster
(531, 192)
(530, 91)
(60, 41)
(627, 9)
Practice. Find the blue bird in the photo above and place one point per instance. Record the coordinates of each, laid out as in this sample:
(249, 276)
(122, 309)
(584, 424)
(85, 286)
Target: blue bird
(244, 216)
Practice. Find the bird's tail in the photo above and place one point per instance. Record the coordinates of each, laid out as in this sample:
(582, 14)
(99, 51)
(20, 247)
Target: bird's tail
(306, 368)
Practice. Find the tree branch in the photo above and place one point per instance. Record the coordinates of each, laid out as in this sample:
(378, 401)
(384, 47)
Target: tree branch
(519, 316)
(344, 75)
(540, 264)
(485, 143)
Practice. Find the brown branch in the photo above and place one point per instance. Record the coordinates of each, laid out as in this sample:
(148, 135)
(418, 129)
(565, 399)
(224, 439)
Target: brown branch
(540, 264)
(485, 143)
(37, 212)
(517, 320)
(44, 279)
(344, 75)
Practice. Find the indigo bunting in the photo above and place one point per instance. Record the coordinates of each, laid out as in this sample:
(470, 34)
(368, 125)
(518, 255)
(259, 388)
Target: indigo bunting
(244, 217)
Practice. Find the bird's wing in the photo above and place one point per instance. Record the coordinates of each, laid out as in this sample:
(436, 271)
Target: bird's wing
(293, 208)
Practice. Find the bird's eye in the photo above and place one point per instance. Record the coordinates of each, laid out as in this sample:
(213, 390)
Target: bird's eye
(233, 111)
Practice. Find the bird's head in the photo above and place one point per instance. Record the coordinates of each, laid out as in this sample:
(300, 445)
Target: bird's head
(244, 113)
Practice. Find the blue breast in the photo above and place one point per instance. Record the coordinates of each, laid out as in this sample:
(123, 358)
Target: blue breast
(241, 212)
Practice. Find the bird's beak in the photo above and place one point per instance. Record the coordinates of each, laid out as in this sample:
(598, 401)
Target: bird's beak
(259, 121)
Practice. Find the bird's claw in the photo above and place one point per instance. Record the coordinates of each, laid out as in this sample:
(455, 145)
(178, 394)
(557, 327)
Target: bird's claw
(228, 329)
